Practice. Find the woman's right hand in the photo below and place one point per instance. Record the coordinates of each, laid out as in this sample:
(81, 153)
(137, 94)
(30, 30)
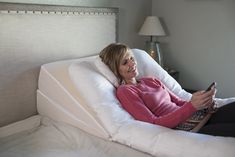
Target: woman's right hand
(202, 99)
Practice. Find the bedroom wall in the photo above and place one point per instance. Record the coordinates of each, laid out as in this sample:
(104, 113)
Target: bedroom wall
(131, 15)
(200, 42)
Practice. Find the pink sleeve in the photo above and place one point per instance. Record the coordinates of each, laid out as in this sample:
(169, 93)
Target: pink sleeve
(183, 113)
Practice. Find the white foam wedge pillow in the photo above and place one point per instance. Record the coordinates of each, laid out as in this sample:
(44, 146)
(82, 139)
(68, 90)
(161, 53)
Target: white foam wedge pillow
(99, 95)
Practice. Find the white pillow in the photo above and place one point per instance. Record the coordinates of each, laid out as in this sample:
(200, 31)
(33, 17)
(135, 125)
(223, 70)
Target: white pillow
(146, 66)
(105, 71)
(99, 95)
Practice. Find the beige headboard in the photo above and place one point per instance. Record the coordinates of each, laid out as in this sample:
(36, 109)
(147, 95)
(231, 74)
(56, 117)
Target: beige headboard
(31, 35)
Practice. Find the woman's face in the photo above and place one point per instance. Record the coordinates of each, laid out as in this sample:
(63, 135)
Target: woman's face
(127, 67)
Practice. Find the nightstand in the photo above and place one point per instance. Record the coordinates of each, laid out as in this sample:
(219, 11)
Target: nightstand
(175, 74)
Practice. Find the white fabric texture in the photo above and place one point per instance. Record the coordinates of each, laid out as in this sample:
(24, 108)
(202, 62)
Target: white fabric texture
(106, 72)
(20, 126)
(99, 94)
(58, 98)
(56, 139)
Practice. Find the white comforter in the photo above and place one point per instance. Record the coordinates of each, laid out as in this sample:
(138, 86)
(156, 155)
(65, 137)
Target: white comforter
(29, 138)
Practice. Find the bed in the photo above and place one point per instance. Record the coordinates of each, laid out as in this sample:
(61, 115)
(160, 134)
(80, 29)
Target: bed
(30, 36)
(39, 136)
(88, 85)
(61, 97)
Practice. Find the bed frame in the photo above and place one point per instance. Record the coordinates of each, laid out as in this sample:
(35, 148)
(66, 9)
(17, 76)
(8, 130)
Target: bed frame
(32, 35)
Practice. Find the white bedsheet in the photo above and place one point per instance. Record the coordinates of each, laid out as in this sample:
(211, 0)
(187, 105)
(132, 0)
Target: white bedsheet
(53, 139)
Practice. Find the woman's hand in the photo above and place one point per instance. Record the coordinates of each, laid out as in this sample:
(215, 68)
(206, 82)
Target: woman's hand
(202, 99)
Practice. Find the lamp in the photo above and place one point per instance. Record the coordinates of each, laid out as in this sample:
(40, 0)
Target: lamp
(152, 27)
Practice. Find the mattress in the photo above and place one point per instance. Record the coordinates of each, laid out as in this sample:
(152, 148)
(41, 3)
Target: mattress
(75, 92)
(42, 137)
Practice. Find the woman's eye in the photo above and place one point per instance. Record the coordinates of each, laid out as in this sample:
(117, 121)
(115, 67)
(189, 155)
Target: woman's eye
(125, 62)
(132, 59)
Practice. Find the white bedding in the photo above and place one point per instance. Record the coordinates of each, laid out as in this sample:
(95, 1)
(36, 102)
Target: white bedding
(54, 139)
(58, 98)
(83, 97)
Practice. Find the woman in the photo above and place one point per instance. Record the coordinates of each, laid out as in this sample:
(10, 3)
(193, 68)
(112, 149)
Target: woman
(147, 99)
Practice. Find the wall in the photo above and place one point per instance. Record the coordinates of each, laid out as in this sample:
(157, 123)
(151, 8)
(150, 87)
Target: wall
(131, 16)
(200, 42)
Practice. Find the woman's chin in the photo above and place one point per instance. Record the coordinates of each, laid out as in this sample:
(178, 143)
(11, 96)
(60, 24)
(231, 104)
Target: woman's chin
(135, 74)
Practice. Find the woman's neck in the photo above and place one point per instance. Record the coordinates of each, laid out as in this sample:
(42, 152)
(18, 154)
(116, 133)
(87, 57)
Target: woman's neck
(131, 81)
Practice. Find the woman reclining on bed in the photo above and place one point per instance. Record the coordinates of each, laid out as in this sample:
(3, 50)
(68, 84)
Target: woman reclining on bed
(148, 100)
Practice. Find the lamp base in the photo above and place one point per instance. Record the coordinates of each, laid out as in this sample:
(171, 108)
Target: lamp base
(154, 51)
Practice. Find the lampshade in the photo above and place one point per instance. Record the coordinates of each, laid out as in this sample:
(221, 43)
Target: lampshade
(152, 27)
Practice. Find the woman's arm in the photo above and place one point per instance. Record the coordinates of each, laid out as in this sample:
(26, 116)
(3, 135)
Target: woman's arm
(199, 100)
(134, 105)
(176, 117)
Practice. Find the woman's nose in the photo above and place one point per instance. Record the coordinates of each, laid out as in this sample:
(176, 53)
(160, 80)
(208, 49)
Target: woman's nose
(131, 63)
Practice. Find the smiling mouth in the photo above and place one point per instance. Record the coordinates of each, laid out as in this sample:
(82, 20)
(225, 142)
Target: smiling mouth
(131, 69)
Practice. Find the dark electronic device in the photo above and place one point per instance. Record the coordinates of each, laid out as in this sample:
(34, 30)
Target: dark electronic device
(210, 87)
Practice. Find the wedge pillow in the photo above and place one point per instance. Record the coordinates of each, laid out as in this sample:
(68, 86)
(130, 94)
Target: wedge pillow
(99, 95)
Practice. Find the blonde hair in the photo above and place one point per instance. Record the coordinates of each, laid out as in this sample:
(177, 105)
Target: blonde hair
(112, 55)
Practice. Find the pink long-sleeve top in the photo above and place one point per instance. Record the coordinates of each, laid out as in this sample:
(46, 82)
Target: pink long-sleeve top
(150, 101)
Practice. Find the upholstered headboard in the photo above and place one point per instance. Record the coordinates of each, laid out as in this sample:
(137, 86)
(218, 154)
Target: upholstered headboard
(31, 35)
